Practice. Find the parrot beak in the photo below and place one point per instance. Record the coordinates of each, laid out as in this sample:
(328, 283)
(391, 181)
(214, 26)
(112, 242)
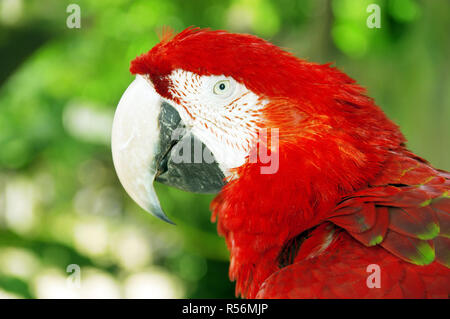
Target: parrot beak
(148, 136)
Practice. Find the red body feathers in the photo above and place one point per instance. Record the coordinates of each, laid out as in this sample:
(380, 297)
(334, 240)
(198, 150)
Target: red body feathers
(347, 193)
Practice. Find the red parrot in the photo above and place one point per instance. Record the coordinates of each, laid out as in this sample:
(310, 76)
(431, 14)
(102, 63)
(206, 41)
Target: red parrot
(337, 208)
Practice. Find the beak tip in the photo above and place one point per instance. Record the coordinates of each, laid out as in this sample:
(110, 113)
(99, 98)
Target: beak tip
(157, 211)
(164, 217)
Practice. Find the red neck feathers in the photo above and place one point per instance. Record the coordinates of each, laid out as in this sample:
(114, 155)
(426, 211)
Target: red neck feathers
(320, 161)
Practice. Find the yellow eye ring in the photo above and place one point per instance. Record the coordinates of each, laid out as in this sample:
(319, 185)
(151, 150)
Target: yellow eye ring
(221, 87)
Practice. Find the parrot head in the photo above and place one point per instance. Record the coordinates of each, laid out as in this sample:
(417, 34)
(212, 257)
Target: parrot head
(193, 118)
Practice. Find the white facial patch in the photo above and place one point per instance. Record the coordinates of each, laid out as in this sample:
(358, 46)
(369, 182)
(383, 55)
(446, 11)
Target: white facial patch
(220, 111)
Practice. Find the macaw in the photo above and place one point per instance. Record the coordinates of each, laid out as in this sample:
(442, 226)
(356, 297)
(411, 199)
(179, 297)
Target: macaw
(318, 196)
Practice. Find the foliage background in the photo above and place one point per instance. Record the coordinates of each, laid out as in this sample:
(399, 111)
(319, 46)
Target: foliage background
(60, 201)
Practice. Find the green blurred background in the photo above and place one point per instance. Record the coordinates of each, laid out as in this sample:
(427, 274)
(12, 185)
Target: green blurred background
(60, 200)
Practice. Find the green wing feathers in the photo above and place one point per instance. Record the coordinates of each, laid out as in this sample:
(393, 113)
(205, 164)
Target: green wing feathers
(406, 211)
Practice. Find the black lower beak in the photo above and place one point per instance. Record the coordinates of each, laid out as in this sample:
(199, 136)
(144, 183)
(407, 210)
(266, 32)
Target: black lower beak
(185, 162)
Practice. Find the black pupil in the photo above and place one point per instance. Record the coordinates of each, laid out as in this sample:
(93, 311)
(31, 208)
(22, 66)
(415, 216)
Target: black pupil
(222, 86)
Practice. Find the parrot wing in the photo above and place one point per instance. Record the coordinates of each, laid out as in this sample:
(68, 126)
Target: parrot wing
(403, 216)
(348, 270)
(406, 211)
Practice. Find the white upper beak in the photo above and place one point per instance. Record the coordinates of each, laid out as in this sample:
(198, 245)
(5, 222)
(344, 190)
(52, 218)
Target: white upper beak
(135, 135)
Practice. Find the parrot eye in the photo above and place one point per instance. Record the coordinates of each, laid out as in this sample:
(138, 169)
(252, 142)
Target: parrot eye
(222, 87)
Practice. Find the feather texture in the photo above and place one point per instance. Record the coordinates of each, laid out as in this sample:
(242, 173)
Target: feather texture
(342, 272)
(415, 217)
